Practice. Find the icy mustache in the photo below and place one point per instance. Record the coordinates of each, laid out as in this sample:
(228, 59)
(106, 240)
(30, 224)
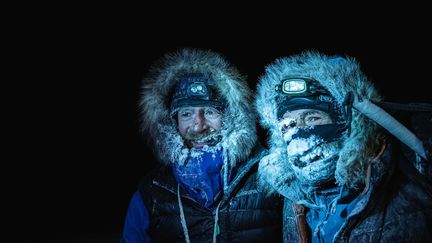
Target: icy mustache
(210, 136)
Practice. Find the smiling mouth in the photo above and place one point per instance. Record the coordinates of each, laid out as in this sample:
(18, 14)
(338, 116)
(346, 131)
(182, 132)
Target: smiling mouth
(313, 158)
(196, 144)
(309, 159)
(210, 140)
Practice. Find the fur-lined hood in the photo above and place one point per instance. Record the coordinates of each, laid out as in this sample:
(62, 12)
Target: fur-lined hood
(339, 76)
(238, 123)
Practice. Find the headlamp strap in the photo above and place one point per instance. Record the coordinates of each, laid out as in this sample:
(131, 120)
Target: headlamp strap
(347, 108)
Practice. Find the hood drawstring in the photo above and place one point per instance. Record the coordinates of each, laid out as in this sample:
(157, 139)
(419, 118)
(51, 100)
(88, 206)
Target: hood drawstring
(225, 170)
(347, 105)
(216, 229)
(182, 216)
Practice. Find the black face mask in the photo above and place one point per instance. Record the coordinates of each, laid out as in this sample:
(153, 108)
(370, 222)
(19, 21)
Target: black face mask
(328, 132)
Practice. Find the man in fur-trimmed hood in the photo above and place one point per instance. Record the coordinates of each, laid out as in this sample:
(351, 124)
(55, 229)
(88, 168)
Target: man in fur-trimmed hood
(343, 177)
(238, 132)
(197, 115)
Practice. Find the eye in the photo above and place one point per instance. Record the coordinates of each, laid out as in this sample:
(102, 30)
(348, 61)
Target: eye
(184, 114)
(312, 118)
(211, 113)
(316, 118)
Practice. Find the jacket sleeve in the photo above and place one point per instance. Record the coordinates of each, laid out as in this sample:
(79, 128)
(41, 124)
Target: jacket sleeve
(137, 222)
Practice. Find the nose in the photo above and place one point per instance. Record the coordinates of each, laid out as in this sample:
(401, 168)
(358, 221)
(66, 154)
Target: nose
(199, 122)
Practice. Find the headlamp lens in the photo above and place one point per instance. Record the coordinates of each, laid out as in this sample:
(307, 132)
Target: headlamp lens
(197, 90)
(294, 86)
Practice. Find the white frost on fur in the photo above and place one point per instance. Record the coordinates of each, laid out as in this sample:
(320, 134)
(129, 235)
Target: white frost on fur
(275, 172)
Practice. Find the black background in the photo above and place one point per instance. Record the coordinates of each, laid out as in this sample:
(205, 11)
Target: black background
(82, 155)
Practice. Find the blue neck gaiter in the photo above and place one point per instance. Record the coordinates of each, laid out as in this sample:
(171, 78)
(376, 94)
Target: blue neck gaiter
(335, 208)
(201, 176)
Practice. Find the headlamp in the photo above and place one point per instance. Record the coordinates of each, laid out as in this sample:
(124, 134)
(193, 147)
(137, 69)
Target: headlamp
(197, 90)
(299, 86)
(302, 93)
(293, 86)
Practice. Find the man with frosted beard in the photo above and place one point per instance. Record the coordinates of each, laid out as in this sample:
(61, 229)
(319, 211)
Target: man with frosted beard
(344, 177)
(197, 114)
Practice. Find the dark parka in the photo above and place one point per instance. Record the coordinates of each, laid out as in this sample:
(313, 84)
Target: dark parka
(395, 207)
(396, 203)
(245, 214)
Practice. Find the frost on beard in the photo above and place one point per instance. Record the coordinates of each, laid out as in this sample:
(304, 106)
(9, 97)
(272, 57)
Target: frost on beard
(312, 160)
(198, 152)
